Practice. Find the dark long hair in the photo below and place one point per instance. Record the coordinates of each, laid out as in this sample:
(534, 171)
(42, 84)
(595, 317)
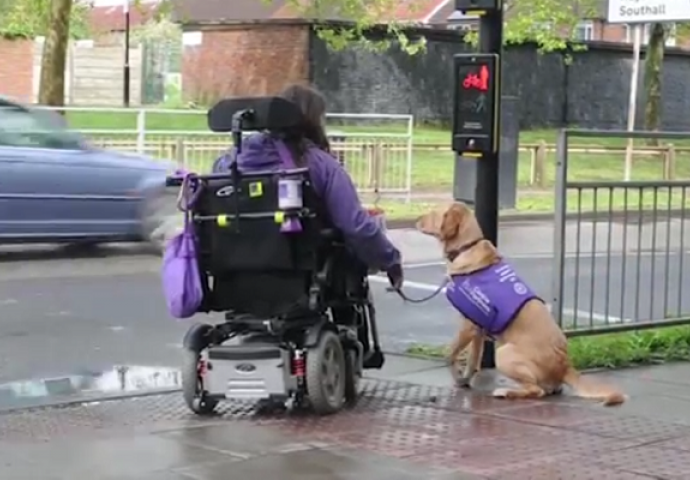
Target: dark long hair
(313, 107)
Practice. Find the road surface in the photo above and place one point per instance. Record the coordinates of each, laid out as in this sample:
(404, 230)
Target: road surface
(61, 316)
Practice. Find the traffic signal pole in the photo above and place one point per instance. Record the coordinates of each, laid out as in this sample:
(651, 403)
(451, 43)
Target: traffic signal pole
(477, 133)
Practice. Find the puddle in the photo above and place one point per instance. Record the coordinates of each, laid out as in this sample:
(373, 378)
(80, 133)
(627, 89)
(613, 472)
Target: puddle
(87, 386)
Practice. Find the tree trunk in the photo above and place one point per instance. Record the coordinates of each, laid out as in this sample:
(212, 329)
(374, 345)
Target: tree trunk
(654, 61)
(51, 90)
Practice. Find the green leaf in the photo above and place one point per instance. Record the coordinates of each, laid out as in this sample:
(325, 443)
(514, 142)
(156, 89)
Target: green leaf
(551, 24)
(29, 19)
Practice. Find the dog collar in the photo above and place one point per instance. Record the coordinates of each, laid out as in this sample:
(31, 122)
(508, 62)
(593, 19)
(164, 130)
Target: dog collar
(455, 253)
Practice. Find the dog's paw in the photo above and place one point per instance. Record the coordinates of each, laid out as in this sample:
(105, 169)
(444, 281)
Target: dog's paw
(500, 393)
(463, 382)
(465, 378)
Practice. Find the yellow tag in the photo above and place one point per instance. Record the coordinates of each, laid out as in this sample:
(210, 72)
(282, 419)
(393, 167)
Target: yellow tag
(279, 217)
(471, 154)
(222, 220)
(256, 189)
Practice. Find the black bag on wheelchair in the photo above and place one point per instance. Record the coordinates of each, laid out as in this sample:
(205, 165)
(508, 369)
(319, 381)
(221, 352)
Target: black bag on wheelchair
(259, 259)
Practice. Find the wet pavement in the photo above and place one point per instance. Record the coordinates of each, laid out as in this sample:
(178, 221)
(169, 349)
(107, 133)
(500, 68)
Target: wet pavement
(89, 385)
(408, 423)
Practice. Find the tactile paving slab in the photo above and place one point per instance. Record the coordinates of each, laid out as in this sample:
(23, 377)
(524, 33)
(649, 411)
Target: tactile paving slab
(552, 414)
(524, 446)
(651, 461)
(569, 470)
(631, 427)
(449, 429)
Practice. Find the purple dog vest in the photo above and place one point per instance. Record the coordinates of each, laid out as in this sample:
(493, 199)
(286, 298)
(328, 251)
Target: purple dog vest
(490, 298)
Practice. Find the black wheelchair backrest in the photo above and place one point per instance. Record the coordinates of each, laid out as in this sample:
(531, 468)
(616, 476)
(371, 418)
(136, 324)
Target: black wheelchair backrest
(262, 113)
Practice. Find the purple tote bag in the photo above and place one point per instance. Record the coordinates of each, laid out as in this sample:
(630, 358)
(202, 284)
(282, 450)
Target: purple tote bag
(180, 273)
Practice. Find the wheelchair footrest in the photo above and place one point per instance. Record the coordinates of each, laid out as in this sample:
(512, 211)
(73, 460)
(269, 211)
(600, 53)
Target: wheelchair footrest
(251, 371)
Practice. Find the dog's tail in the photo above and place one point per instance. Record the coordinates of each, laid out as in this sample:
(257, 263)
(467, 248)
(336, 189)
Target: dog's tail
(588, 389)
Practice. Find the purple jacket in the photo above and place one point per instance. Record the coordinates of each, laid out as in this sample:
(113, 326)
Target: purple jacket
(491, 297)
(334, 186)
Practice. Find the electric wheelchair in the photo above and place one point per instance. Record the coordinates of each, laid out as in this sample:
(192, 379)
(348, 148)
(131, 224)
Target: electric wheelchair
(299, 323)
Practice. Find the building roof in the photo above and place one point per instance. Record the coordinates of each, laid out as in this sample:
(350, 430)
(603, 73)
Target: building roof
(112, 18)
(442, 12)
(194, 11)
(422, 11)
(217, 11)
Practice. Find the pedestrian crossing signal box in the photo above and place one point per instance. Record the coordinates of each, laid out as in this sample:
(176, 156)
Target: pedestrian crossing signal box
(475, 104)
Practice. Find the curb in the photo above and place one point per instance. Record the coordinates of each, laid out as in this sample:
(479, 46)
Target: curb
(70, 400)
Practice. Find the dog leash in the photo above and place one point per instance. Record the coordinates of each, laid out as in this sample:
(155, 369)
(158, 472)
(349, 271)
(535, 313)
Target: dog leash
(407, 299)
(450, 256)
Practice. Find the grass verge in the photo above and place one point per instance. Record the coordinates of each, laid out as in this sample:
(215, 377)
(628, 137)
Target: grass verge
(432, 170)
(635, 201)
(612, 350)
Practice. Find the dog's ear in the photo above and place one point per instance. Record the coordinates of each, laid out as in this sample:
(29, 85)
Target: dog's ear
(453, 219)
(423, 223)
(429, 223)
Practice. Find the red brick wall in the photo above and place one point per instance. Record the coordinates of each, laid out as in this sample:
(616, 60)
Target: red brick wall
(245, 60)
(16, 69)
(609, 32)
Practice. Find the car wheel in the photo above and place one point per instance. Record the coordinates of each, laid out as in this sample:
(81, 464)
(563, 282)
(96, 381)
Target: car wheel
(161, 220)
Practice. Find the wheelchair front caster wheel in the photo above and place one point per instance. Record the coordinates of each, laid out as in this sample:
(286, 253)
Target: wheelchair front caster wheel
(195, 397)
(325, 374)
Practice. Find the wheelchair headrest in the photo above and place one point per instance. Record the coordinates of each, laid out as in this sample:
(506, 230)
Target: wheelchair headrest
(263, 113)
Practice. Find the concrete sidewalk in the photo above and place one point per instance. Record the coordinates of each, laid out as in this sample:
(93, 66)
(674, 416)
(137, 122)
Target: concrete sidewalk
(409, 423)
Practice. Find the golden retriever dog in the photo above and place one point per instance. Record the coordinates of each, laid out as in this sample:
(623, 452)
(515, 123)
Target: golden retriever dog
(531, 349)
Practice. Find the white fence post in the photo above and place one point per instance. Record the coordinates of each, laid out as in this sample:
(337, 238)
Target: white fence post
(410, 146)
(141, 131)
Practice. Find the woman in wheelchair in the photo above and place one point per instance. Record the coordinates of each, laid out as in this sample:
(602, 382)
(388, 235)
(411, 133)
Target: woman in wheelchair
(310, 147)
(320, 362)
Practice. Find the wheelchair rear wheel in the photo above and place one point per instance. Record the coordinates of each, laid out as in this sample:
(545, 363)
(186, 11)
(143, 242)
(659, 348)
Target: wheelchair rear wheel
(325, 374)
(195, 396)
(352, 376)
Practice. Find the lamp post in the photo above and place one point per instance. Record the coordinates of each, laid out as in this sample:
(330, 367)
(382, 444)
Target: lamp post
(126, 72)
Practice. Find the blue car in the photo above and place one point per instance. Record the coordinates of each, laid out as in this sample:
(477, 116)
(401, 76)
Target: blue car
(56, 188)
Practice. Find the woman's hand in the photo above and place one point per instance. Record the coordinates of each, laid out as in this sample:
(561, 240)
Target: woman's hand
(395, 276)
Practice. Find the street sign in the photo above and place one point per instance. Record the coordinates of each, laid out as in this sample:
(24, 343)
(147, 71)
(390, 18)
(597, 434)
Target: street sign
(475, 103)
(648, 11)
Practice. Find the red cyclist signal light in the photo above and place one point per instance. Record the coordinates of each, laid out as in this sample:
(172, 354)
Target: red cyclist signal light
(475, 98)
(477, 81)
